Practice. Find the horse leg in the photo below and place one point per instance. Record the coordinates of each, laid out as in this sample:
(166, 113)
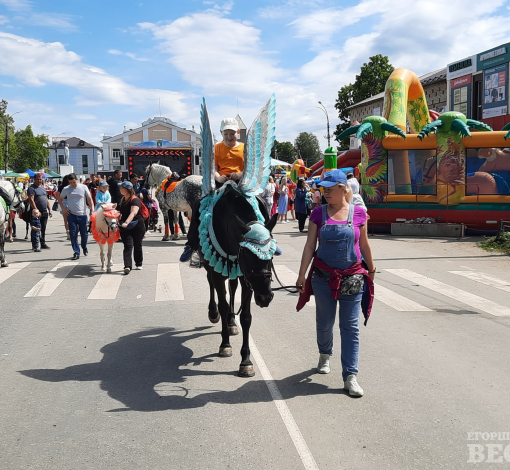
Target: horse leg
(219, 285)
(166, 236)
(232, 325)
(172, 224)
(101, 254)
(3, 263)
(109, 258)
(246, 367)
(213, 314)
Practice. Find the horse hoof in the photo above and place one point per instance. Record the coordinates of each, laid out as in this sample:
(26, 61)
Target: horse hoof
(103, 268)
(5, 265)
(233, 330)
(166, 238)
(109, 270)
(246, 371)
(225, 352)
(215, 319)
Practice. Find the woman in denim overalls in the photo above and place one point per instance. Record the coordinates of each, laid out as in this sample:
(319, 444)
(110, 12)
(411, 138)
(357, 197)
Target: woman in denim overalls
(343, 241)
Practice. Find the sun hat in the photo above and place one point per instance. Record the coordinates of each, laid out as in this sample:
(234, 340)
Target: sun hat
(126, 185)
(229, 123)
(332, 178)
(103, 183)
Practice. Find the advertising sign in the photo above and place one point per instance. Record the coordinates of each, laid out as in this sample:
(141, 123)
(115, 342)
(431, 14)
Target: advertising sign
(495, 99)
(461, 67)
(461, 95)
(492, 57)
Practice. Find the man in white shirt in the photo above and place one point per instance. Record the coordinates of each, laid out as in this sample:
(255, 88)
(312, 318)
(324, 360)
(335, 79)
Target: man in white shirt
(78, 198)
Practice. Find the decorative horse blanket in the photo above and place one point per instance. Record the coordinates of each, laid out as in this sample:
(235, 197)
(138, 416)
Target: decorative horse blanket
(101, 229)
(167, 186)
(258, 240)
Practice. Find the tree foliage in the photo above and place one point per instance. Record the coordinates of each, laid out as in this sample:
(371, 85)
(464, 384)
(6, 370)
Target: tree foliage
(284, 151)
(308, 148)
(370, 81)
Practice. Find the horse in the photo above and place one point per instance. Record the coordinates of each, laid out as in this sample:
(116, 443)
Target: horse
(248, 245)
(10, 195)
(186, 193)
(104, 227)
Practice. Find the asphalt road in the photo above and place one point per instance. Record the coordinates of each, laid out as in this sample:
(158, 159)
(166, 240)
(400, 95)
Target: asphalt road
(134, 381)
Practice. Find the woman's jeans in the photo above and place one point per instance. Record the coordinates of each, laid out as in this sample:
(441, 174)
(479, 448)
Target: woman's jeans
(132, 240)
(349, 310)
(77, 223)
(301, 220)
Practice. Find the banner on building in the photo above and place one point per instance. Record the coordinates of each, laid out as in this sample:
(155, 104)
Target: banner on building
(461, 95)
(495, 102)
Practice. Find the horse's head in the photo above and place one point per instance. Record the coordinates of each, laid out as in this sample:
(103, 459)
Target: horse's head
(111, 216)
(256, 249)
(150, 178)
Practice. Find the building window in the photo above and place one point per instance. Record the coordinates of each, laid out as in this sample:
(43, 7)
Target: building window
(61, 160)
(116, 154)
(85, 163)
(117, 167)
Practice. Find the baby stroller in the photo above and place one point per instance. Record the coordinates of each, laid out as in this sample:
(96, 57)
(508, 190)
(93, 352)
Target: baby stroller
(153, 216)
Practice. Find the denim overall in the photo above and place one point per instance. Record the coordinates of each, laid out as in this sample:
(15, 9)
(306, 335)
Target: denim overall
(337, 249)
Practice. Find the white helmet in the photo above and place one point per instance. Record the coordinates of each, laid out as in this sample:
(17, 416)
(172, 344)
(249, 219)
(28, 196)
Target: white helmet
(229, 123)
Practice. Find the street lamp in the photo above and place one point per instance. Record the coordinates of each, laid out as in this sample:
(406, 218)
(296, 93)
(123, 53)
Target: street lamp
(6, 159)
(323, 108)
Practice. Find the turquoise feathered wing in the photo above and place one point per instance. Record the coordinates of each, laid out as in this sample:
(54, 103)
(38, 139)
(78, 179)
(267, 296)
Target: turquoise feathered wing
(257, 151)
(207, 167)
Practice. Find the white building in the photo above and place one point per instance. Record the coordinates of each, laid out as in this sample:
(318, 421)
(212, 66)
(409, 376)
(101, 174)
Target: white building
(84, 157)
(157, 128)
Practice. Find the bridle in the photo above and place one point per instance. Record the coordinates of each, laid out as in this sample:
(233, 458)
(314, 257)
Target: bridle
(147, 184)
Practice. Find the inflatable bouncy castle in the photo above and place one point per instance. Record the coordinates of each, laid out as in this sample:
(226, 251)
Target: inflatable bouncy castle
(448, 167)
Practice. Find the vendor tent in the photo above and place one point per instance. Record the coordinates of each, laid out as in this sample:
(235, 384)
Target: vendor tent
(12, 174)
(275, 162)
(54, 175)
(30, 173)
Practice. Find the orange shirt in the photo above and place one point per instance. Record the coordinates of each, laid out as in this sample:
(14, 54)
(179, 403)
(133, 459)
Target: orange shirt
(229, 160)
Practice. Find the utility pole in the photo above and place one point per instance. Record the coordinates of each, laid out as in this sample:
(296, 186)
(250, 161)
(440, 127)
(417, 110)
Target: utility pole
(323, 108)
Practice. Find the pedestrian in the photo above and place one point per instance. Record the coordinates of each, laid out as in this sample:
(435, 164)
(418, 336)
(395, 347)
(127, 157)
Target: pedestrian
(78, 198)
(38, 199)
(62, 185)
(132, 228)
(291, 188)
(141, 193)
(268, 195)
(301, 207)
(276, 198)
(35, 233)
(338, 275)
(317, 196)
(102, 195)
(283, 201)
(356, 196)
(114, 183)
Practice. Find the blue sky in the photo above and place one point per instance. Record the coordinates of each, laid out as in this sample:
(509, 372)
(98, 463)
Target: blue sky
(91, 68)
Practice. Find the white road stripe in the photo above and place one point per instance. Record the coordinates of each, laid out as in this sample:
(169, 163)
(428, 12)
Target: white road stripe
(484, 279)
(169, 283)
(11, 270)
(291, 425)
(106, 287)
(397, 301)
(47, 285)
(460, 295)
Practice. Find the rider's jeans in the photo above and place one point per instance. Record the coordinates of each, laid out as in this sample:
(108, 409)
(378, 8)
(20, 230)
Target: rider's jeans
(78, 223)
(349, 311)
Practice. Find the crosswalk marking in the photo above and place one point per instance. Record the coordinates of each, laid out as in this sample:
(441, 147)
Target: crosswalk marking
(460, 295)
(11, 270)
(484, 279)
(106, 287)
(169, 283)
(397, 301)
(47, 285)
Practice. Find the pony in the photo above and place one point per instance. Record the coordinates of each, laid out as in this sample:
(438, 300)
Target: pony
(10, 195)
(234, 233)
(182, 198)
(104, 227)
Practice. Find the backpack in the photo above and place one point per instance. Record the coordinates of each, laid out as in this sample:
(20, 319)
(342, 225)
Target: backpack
(144, 211)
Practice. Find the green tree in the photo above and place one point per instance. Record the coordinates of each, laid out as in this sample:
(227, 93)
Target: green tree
(370, 81)
(5, 121)
(284, 151)
(307, 148)
(29, 151)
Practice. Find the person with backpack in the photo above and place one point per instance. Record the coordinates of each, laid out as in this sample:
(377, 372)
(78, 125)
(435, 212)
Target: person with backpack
(132, 226)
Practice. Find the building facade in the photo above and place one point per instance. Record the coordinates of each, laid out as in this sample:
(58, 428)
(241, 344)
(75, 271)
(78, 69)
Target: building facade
(153, 129)
(83, 156)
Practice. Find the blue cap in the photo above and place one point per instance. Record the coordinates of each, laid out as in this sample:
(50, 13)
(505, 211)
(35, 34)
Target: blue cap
(332, 178)
(103, 183)
(126, 185)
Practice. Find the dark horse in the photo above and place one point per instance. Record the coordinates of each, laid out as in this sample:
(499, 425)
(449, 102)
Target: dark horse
(232, 217)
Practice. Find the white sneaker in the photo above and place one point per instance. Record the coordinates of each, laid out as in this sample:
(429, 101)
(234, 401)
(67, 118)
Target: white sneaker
(323, 366)
(138, 268)
(352, 385)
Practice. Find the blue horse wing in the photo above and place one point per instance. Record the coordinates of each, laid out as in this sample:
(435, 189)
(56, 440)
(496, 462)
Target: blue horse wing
(207, 167)
(257, 150)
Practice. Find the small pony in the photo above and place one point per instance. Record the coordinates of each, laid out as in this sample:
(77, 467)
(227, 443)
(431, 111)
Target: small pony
(105, 230)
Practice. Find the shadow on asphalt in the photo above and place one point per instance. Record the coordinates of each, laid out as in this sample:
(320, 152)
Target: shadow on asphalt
(134, 365)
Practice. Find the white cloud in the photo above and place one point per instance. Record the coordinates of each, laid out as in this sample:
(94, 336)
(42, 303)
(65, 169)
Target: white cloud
(17, 5)
(83, 116)
(288, 9)
(36, 63)
(3, 19)
(27, 15)
(128, 54)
